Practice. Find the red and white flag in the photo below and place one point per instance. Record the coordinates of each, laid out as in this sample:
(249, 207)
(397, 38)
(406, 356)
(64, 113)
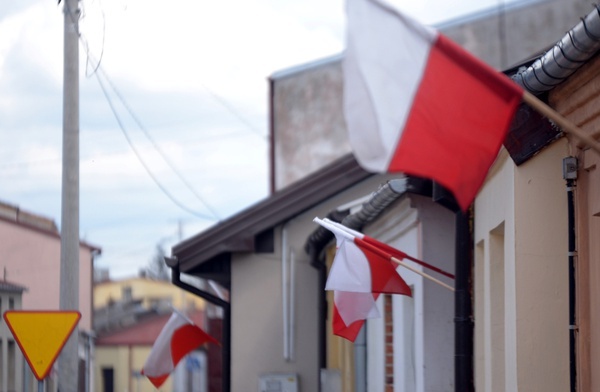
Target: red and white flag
(396, 253)
(178, 337)
(359, 273)
(416, 102)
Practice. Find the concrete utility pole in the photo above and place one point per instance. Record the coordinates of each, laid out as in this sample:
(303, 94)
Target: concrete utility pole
(69, 251)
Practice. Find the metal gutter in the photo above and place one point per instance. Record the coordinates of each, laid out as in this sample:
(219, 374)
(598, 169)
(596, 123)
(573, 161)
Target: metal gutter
(380, 200)
(566, 56)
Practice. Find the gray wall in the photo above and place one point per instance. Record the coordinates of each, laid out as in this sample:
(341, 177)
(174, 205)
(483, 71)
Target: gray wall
(308, 123)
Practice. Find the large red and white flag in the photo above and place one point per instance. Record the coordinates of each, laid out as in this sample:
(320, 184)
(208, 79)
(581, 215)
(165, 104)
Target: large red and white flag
(416, 102)
(178, 337)
(358, 275)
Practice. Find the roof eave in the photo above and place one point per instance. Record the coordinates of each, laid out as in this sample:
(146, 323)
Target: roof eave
(237, 233)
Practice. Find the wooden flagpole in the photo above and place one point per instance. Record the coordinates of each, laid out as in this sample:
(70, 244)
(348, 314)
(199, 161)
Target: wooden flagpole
(566, 124)
(423, 274)
(328, 224)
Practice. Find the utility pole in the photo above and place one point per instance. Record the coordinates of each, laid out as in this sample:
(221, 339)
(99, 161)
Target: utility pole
(68, 366)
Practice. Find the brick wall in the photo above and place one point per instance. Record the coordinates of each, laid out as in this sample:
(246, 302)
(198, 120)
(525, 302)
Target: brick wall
(389, 344)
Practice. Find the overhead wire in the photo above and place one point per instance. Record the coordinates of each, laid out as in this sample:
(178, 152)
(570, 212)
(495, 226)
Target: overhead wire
(96, 71)
(85, 44)
(154, 144)
(141, 160)
(231, 110)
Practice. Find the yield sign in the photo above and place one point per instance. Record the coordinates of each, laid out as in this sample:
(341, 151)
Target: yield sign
(41, 335)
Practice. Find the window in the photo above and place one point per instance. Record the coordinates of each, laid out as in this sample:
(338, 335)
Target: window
(127, 294)
(108, 379)
(12, 368)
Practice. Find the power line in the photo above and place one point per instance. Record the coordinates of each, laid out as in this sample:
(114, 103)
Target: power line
(156, 146)
(97, 70)
(130, 142)
(231, 110)
(141, 160)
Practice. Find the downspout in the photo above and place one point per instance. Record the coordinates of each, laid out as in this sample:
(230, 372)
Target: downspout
(579, 45)
(570, 175)
(463, 312)
(314, 248)
(287, 295)
(226, 306)
(317, 262)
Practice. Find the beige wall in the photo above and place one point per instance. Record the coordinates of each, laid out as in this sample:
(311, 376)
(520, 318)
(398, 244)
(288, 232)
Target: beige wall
(146, 289)
(521, 287)
(577, 99)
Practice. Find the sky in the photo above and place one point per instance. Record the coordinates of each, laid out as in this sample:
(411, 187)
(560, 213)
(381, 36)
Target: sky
(173, 109)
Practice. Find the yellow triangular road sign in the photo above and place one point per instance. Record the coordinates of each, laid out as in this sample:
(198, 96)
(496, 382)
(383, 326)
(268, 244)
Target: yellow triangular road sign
(41, 335)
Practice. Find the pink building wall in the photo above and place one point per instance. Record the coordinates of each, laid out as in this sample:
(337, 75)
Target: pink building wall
(30, 256)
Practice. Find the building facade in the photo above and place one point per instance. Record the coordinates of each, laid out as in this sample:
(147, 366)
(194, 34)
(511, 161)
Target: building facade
(259, 251)
(30, 257)
(120, 357)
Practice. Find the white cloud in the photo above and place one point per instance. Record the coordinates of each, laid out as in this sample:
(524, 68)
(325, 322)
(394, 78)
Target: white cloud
(193, 72)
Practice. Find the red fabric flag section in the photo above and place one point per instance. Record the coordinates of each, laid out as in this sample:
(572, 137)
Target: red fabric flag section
(178, 337)
(417, 103)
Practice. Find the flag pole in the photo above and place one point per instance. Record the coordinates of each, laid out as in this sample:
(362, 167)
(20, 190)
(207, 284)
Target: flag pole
(423, 274)
(180, 313)
(566, 124)
(359, 234)
(351, 235)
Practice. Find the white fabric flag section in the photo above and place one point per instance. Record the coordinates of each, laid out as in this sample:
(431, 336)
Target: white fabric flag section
(350, 270)
(178, 337)
(352, 307)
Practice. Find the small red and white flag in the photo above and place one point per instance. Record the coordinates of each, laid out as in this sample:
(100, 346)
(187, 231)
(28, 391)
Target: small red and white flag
(396, 253)
(178, 337)
(416, 102)
(359, 273)
(360, 267)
